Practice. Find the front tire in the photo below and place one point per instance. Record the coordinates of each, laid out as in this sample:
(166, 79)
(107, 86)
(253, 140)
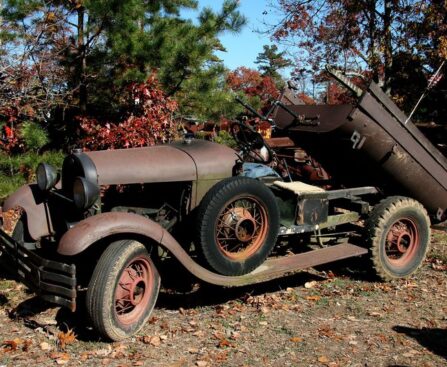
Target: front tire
(238, 224)
(123, 290)
(398, 235)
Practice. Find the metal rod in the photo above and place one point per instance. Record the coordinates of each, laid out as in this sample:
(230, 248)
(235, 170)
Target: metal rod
(429, 86)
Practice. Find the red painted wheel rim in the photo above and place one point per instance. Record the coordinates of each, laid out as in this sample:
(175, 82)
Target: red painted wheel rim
(133, 291)
(241, 229)
(401, 242)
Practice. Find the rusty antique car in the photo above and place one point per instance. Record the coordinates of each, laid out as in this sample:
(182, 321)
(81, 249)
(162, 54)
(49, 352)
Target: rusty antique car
(98, 233)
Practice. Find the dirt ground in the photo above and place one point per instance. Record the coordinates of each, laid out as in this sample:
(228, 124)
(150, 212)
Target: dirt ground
(333, 316)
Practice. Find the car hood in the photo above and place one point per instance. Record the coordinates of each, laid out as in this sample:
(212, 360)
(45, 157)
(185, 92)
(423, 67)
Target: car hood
(164, 163)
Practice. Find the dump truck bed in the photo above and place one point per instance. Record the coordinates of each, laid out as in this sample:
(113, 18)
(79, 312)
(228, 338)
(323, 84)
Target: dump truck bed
(372, 143)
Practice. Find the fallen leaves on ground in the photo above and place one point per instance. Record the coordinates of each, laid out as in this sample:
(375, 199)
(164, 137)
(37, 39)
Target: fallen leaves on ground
(334, 320)
(65, 338)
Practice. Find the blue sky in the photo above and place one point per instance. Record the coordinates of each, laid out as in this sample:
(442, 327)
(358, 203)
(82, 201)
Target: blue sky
(242, 48)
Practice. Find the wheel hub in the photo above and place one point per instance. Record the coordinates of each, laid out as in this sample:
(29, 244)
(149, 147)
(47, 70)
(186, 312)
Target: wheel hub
(137, 292)
(242, 222)
(241, 228)
(402, 238)
(132, 291)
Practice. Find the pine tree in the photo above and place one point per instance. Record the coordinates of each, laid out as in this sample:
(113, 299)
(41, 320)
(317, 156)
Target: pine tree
(271, 61)
(102, 45)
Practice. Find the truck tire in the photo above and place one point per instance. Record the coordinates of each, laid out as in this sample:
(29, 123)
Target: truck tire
(398, 235)
(123, 290)
(238, 224)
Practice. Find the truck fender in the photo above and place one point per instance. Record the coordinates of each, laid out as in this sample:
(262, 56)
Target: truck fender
(30, 199)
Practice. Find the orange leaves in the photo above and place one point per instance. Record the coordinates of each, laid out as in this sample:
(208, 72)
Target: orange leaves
(296, 339)
(9, 345)
(60, 358)
(442, 48)
(313, 298)
(65, 338)
(155, 341)
(10, 219)
(16, 344)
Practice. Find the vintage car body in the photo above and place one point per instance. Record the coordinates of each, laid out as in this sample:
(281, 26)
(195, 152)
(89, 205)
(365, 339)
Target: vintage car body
(193, 162)
(104, 229)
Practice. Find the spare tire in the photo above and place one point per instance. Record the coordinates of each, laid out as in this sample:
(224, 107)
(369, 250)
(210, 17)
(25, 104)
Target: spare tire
(238, 224)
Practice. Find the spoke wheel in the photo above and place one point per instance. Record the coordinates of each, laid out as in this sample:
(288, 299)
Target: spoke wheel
(133, 291)
(398, 234)
(241, 228)
(123, 290)
(238, 224)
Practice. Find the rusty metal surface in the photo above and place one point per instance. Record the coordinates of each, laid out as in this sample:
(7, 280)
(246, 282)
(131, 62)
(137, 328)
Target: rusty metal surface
(312, 211)
(329, 117)
(401, 155)
(411, 175)
(52, 280)
(164, 163)
(373, 146)
(378, 93)
(213, 161)
(280, 142)
(413, 147)
(29, 198)
(94, 228)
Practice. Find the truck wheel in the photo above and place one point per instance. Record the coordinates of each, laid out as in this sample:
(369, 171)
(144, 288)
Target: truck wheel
(123, 290)
(398, 234)
(238, 224)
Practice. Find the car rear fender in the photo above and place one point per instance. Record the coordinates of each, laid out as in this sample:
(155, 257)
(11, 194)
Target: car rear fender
(29, 198)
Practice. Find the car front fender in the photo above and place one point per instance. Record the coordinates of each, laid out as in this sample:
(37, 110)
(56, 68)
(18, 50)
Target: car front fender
(90, 230)
(29, 198)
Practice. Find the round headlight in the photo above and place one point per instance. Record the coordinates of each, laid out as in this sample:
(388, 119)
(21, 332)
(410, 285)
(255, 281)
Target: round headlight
(47, 176)
(85, 193)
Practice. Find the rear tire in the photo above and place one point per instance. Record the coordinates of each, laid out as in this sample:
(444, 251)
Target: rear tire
(238, 224)
(398, 235)
(123, 290)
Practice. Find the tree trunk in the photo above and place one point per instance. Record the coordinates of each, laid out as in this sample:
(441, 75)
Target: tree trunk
(82, 65)
(388, 47)
(372, 30)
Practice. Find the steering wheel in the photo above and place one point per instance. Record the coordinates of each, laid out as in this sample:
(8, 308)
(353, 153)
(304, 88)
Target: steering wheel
(250, 142)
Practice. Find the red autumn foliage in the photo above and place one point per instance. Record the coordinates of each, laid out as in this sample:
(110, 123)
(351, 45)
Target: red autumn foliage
(336, 94)
(306, 99)
(147, 121)
(254, 84)
(8, 138)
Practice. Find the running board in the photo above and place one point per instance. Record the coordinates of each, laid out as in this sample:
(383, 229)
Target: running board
(286, 265)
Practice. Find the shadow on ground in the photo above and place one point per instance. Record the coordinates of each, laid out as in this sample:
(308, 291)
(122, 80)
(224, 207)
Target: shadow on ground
(435, 340)
(180, 289)
(187, 294)
(203, 294)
